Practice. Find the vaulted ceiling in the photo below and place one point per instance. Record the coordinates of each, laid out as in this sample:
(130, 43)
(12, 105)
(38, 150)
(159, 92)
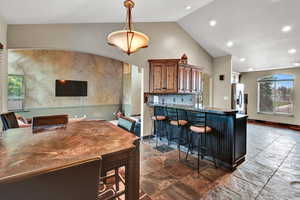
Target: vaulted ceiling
(90, 11)
(253, 26)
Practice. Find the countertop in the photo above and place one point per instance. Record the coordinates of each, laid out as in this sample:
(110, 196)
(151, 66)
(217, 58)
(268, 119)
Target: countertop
(199, 108)
(23, 153)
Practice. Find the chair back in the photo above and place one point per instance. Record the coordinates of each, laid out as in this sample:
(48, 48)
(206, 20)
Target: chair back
(9, 121)
(53, 120)
(196, 118)
(75, 182)
(126, 124)
(159, 111)
(174, 114)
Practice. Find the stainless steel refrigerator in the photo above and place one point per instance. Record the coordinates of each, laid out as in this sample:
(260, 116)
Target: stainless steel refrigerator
(238, 98)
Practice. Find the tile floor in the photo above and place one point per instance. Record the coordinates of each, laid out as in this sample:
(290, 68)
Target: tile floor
(270, 172)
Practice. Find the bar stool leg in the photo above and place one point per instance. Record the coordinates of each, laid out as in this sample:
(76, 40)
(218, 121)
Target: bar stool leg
(156, 133)
(199, 149)
(201, 146)
(179, 141)
(190, 134)
(168, 134)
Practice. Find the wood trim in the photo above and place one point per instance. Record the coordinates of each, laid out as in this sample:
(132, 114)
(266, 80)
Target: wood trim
(164, 60)
(275, 124)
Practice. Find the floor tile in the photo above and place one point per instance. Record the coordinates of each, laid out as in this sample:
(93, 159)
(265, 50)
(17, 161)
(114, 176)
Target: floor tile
(281, 187)
(178, 191)
(213, 174)
(255, 173)
(271, 171)
(222, 193)
(156, 181)
(199, 183)
(246, 189)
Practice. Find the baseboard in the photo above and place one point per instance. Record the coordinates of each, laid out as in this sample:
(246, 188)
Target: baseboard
(275, 124)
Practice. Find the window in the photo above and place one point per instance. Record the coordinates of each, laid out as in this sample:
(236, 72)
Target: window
(16, 91)
(275, 94)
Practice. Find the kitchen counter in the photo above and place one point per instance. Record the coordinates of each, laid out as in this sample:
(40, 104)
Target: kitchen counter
(197, 107)
(229, 134)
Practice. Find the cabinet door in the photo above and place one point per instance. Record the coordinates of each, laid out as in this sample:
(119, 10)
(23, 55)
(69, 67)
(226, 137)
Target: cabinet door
(181, 79)
(196, 80)
(170, 78)
(163, 76)
(156, 76)
(187, 80)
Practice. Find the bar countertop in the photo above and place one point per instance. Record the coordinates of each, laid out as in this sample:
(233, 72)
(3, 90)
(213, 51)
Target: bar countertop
(197, 107)
(23, 153)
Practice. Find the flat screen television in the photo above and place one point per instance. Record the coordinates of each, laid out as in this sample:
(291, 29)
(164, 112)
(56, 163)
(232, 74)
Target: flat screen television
(69, 88)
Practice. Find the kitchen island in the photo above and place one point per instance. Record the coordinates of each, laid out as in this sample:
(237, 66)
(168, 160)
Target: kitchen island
(229, 132)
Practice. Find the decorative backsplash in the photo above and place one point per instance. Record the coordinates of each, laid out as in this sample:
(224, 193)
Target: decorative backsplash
(182, 99)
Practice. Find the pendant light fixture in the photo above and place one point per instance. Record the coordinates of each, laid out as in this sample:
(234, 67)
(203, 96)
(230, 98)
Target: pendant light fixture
(128, 40)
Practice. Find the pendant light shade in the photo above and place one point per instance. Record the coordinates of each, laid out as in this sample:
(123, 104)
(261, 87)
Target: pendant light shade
(128, 40)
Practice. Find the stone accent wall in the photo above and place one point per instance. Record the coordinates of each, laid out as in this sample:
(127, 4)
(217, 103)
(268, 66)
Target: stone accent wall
(42, 67)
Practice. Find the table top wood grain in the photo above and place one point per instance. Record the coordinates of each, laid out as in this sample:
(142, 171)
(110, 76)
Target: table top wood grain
(24, 153)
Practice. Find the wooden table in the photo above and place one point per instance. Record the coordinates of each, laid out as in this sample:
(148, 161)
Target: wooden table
(24, 154)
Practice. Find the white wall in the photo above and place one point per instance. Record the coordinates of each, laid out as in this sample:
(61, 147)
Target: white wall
(3, 67)
(250, 81)
(136, 90)
(222, 89)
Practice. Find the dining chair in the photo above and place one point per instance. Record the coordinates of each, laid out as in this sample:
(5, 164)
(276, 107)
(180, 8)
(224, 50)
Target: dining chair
(177, 119)
(76, 181)
(126, 124)
(9, 121)
(51, 120)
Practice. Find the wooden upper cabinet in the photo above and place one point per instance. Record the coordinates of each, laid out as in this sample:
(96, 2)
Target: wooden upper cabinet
(168, 76)
(164, 75)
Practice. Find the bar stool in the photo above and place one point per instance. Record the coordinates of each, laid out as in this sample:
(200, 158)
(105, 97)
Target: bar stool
(198, 127)
(177, 119)
(159, 119)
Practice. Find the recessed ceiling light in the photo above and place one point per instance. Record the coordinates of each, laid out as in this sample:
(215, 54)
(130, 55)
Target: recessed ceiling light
(250, 69)
(229, 44)
(213, 22)
(292, 51)
(188, 7)
(286, 29)
(243, 59)
(296, 64)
